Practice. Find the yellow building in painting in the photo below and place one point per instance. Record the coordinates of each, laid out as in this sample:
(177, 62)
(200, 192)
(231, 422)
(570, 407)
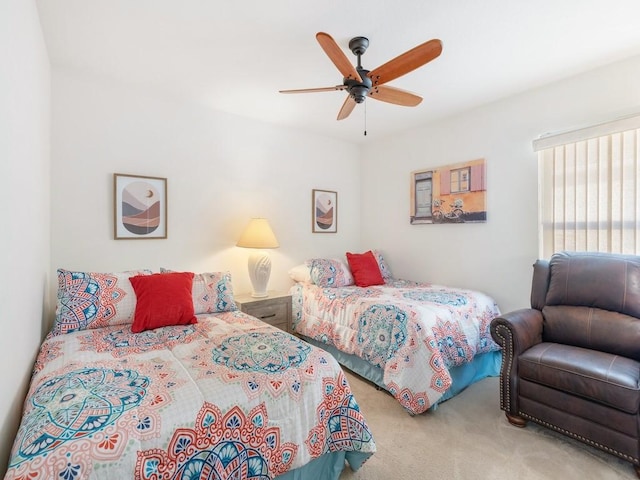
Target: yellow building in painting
(449, 194)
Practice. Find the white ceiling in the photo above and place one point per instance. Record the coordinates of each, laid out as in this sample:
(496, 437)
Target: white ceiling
(235, 55)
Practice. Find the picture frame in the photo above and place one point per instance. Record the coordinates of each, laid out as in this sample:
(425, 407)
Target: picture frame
(324, 211)
(139, 207)
(455, 193)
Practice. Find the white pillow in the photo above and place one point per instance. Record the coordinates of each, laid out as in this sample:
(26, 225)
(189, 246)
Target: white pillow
(301, 273)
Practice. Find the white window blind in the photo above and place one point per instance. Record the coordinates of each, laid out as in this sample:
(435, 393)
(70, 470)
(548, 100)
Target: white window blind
(589, 182)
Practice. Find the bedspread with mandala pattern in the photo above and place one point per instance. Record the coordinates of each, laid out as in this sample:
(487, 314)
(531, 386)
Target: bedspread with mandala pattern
(227, 398)
(413, 331)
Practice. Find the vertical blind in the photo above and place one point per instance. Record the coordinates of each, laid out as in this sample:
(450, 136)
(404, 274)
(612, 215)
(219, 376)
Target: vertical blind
(589, 189)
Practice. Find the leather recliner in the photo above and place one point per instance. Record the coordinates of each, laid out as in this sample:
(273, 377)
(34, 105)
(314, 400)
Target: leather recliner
(571, 362)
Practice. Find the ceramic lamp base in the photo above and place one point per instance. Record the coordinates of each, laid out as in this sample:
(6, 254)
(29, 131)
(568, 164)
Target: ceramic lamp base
(259, 272)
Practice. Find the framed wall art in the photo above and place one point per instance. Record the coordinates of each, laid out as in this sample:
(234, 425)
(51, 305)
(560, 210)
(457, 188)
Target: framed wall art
(324, 211)
(449, 194)
(140, 207)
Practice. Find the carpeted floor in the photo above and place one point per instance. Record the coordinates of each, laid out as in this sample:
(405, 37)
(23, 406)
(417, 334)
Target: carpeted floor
(468, 437)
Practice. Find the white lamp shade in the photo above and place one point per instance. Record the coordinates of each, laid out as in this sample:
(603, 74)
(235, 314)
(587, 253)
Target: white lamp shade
(258, 234)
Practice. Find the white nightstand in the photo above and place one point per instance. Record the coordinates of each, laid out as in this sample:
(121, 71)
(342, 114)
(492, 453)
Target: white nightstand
(274, 309)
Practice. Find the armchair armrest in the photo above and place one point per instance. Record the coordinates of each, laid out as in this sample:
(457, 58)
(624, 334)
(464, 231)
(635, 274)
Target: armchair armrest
(515, 332)
(518, 330)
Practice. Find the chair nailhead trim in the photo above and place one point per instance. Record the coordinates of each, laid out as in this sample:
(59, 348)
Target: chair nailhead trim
(624, 456)
(506, 341)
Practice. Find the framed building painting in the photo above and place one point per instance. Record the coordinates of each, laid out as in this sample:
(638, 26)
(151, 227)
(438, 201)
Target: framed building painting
(449, 194)
(140, 207)
(324, 211)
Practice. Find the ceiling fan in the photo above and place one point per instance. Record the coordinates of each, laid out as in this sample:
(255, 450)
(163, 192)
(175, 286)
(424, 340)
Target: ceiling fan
(361, 83)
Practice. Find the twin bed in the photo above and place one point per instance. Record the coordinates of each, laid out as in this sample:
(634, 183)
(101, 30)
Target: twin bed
(218, 394)
(422, 342)
(159, 376)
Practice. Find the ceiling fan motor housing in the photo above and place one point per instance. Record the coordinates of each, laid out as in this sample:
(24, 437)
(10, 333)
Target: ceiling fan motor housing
(359, 90)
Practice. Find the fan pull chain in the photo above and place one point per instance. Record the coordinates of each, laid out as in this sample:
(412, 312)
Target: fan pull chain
(365, 119)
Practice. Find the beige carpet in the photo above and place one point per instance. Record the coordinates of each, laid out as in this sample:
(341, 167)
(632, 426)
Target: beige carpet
(468, 437)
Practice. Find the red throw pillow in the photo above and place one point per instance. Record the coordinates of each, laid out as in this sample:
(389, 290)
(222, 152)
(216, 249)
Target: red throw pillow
(364, 268)
(162, 299)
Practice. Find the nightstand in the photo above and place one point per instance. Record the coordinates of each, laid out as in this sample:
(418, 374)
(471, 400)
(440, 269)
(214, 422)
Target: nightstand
(274, 309)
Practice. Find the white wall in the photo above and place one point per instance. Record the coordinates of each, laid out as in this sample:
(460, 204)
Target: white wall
(221, 169)
(24, 205)
(496, 256)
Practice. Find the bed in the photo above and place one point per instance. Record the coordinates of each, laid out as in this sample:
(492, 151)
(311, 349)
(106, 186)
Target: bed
(422, 342)
(217, 394)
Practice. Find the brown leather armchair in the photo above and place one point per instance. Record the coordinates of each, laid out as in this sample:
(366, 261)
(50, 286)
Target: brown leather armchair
(571, 362)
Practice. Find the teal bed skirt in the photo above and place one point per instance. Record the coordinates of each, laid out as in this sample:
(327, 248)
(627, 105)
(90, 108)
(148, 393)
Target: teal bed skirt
(483, 365)
(327, 467)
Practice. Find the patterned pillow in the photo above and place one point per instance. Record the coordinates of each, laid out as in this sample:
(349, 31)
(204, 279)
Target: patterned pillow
(212, 292)
(330, 272)
(384, 268)
(93, 300)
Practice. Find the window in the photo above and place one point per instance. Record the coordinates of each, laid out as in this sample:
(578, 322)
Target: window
(460, 180)
(589, 184)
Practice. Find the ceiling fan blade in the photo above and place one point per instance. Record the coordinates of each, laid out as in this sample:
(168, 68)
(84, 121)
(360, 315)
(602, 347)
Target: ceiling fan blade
(406, 62)
(311, 90)
(337, 56)
(394, 95)
(347, 107)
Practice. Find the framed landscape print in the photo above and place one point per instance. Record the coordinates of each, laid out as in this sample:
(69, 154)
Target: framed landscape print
(324, 211)
(140, 207)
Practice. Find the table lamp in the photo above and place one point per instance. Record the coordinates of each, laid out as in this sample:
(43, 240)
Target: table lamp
(258, 235)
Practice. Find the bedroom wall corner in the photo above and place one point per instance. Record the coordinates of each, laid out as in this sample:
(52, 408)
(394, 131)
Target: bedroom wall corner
(25, 96)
